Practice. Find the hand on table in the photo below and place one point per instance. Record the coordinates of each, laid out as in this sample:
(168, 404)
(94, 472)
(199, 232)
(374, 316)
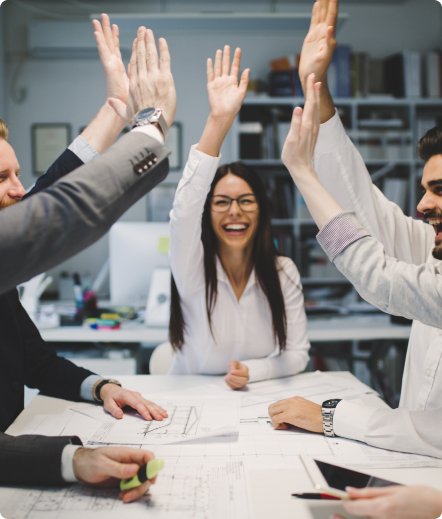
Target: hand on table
(106, 466)
(395, 502)
(296, 411)
(320, 42)
(238, 375)
(115, 398)
(151, 82)
(108, 43)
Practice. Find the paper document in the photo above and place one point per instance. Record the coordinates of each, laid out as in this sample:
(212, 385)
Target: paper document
(192, 490)
(189, 418)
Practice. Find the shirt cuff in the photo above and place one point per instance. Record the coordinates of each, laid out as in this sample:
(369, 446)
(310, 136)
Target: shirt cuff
(350, 420)
(83, 149)
(338, 233)
(87, 386)
(331, 136)
(151, 130)
(258, 369)
(67, 463)
(200, 168)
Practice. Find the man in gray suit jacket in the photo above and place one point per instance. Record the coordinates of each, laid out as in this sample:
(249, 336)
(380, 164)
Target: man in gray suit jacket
(53, 225)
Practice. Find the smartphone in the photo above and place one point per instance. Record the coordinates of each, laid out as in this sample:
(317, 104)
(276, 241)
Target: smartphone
(326, 476)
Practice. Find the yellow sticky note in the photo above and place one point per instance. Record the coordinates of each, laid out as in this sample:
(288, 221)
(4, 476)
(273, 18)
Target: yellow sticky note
(163, 244)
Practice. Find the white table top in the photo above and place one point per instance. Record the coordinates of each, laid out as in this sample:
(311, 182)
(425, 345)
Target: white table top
(270, 489)
(370, 327)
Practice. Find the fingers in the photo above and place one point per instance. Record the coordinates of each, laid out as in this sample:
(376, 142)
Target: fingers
(141, 53)
(151, 51)
(135, 493)
(235, 382)
(332, 13)
(295, 126)
(315, 15)
(364, 493)
(226, 61)
(116, 36)
(107, 31)
(233, 364)
(278, 422)
(210, 73)
(323, 10)
(310, 104)
(218, 58)
(164, 55)
(365, 507)
(133, 65)
(103, 49)
(127, 455)
(244, 81)
(236, 62)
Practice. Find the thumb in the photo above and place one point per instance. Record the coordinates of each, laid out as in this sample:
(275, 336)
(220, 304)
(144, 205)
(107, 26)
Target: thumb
(111, 407)
(120, 108)
(118, 470)
(233, 364)
(244, 80)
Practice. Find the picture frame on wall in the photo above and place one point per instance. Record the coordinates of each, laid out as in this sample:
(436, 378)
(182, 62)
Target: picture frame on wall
(49, 141)
(175, 145)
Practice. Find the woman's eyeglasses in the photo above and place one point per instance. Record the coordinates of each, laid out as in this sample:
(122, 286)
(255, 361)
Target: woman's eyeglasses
(221, 203)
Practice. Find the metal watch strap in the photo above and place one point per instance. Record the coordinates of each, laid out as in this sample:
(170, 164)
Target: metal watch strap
(97, 390)
(159, 118)
(327, 421)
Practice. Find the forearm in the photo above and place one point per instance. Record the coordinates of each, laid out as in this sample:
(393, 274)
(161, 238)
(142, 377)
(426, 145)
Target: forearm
(214, 134)
(104, 129)
(320, 203)
(290, 362)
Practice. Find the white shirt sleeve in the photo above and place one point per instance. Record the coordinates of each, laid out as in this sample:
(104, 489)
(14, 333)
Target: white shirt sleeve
(87, 387)
(67, 463)
(83, 149)
(294, 357)
(416, 432)
(186, 248)
(343, 173)
(151, 130)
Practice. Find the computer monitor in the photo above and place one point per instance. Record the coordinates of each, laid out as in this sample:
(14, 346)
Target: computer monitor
(135, 250)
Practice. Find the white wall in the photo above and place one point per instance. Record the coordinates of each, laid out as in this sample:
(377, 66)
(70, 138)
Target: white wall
(72, 91)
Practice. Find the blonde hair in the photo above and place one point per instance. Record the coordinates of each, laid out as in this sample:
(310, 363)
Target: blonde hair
(4, 132)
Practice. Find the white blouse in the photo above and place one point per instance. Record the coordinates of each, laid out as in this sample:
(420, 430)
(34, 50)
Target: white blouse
(242, 330)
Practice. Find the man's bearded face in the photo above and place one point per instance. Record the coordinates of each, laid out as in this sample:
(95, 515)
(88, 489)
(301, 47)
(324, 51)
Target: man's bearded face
(431, 203)
(6, 203)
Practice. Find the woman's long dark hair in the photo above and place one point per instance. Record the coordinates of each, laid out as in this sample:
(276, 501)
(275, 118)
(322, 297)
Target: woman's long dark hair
(264, 261)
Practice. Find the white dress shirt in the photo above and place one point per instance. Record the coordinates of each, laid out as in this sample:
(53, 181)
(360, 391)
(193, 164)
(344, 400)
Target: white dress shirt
(415, 426)
(86, 153)
(242, 330)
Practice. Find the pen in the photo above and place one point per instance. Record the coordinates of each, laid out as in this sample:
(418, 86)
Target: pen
(315, 495)
(145, 472)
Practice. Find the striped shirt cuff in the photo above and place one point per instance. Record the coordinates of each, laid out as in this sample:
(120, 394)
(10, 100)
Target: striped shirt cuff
(341, 231)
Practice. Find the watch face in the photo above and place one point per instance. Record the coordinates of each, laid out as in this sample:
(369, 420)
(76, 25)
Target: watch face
(146, 113)
(330, 404)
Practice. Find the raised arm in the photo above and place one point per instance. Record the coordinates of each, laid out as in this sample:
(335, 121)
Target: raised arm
(225, 99)
(338, 163)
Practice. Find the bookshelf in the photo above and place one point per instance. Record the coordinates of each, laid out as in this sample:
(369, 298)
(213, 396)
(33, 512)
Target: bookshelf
(384, 129)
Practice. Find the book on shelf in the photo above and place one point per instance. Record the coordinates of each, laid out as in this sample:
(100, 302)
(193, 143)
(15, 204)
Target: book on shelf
(284, 77)
(402, 73)
(302, 211)
(284, 243)
(338, 76)
(280, 196)
(432, 74)
(423, 124)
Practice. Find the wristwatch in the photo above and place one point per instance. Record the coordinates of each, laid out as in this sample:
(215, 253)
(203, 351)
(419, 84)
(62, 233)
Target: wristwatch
(328, 410)
(97, 389)
(149, 116)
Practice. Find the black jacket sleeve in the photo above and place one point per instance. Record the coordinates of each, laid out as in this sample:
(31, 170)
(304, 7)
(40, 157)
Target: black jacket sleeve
(32, 459)
(65, 163)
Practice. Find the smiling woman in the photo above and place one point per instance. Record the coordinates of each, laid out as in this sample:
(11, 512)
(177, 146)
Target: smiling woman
(237, 305)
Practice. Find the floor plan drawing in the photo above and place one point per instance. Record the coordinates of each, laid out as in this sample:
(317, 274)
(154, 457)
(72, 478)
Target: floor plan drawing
(181, 420)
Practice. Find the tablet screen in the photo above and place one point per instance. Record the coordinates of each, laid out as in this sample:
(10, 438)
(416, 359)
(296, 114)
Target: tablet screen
(338, 477)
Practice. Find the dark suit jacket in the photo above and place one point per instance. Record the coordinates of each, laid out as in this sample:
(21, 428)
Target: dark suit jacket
(46, 229)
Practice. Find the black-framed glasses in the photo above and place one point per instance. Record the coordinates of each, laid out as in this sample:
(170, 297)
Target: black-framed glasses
(222, 203)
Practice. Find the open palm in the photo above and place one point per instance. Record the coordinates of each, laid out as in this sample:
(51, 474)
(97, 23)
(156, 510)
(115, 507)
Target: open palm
(320, 42)
(225, 95)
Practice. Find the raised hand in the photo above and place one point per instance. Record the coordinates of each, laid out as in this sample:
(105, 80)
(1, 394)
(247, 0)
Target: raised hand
(151, 82)
(297, 153)
(225, 95)
(320, 42)
(108, 43)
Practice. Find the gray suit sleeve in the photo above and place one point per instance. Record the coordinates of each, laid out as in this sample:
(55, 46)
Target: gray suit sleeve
(32, 459)
(52, 226)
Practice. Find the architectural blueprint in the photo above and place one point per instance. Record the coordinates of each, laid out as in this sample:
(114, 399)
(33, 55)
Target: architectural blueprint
(191, 491)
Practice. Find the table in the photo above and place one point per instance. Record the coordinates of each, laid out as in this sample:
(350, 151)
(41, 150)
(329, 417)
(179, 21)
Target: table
(354, 328)
(270, 489)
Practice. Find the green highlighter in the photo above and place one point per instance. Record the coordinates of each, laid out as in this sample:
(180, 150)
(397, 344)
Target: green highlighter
(145, 472)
